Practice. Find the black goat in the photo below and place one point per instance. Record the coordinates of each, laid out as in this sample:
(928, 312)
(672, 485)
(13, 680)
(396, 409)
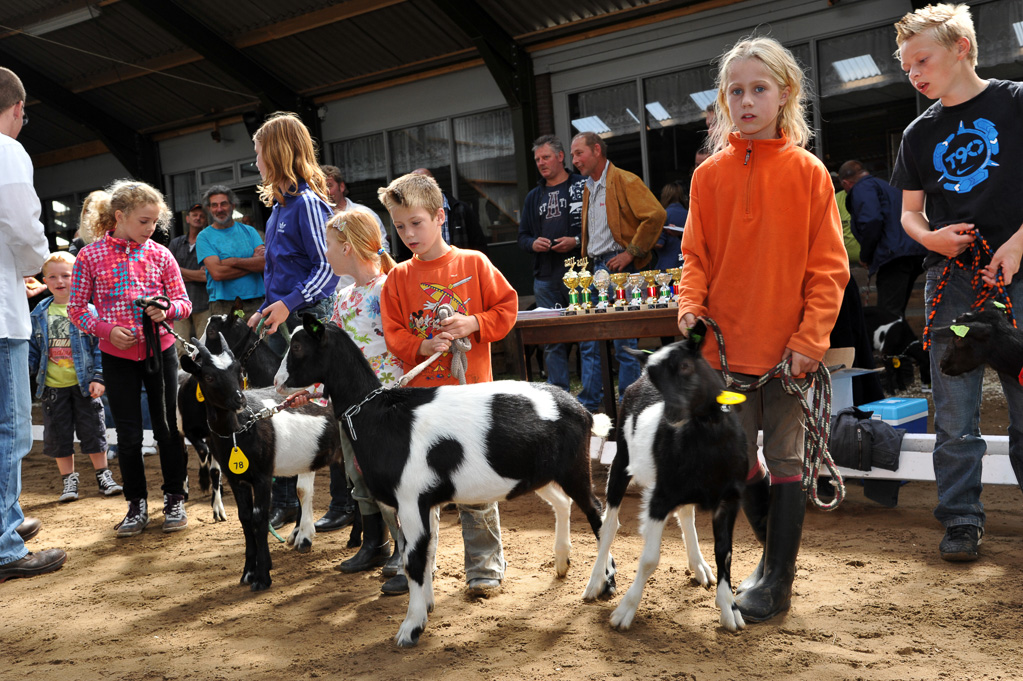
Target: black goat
(984, 336)
(684, 449)
(419, 448)
(294, 442)
(896, 344)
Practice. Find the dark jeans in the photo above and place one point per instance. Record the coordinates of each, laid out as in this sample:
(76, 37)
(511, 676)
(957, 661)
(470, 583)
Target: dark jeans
(895, 281)
(124, 381)
(284, 493)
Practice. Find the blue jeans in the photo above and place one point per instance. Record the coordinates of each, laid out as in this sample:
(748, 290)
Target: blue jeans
(15, 442)
(629, 367)
(284, 492)
(958, 446)
(555, 355)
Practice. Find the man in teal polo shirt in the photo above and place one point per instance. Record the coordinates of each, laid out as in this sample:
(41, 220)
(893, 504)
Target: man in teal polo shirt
(232, 253)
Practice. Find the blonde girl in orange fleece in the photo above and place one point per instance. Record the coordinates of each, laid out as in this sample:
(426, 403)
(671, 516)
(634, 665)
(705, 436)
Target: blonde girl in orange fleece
(765, 259)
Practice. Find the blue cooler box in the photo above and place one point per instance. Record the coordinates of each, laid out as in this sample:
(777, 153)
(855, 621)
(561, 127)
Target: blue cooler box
(900, 412)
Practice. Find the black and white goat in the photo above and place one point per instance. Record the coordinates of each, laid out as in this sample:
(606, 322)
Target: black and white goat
(984, 336)
(294, 442)
(685, 449)
(895, 343)
(260, 364)
(419, 448)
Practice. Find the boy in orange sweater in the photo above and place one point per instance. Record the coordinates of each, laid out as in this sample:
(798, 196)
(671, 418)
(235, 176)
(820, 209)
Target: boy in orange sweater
(484, 309)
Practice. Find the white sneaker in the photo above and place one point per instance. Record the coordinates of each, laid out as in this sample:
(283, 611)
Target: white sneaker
(70, 492)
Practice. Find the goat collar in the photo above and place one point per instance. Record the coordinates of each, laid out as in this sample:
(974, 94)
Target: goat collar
(355, 409)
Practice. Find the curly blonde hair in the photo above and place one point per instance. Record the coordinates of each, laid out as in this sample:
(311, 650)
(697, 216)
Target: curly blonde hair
(289, 156)
(785, 70)
(99, 214)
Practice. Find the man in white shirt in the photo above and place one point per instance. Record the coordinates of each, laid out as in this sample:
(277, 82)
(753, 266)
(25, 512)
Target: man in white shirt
(23, 248)
(339, 195)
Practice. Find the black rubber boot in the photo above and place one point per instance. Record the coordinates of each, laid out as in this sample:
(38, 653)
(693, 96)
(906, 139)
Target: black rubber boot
(772, 595)
(756, 500)
(375, 550)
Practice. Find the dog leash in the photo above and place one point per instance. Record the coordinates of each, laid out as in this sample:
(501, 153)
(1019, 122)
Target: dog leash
(817, 416)
(984, 292)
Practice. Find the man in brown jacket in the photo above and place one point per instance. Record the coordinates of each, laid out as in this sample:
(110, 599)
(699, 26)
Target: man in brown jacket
(621, 222)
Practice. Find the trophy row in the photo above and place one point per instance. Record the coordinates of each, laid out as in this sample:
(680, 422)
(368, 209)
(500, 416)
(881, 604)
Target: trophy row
(581, 300)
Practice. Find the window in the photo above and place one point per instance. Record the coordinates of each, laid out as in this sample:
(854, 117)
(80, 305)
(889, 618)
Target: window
(676, 122)
(61, 220)
(364, 166)
(865, 99)
(611, 112)
(217, 176)
(183, 191)
(423, 146)
(485, 154)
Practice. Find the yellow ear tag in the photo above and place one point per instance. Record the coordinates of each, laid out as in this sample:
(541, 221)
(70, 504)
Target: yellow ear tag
(727, 397)
(245, 383)
(238, 463)
(896, 362)
(198, 393)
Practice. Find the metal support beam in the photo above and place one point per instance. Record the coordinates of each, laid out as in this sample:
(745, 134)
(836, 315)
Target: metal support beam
(512, 69)
(138, 153)
(273, 93)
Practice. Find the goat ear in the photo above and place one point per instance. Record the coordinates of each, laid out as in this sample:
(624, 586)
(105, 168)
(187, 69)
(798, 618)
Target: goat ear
(189, 365)
(697, 334)
(313, 325)
(642, 354)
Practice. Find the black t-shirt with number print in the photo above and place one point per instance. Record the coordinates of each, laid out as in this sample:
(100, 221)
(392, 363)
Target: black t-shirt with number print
(965, 159)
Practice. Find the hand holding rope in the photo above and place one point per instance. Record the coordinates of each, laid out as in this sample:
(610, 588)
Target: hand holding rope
(817, 416)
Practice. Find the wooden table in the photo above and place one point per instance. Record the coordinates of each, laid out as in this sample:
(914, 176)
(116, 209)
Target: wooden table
(607, 327)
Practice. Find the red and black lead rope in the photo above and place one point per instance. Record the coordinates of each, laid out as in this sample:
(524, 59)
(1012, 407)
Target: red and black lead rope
(817, 416)
(984, 292)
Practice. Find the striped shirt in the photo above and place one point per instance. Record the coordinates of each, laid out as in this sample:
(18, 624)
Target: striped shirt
(599, 239)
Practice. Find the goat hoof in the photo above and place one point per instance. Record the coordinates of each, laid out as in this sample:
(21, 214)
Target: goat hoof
(260, 584)
(410, 639)
(610, 589)
(304, 546)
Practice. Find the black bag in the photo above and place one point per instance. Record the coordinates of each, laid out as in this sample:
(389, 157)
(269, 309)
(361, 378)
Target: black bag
(859, 442)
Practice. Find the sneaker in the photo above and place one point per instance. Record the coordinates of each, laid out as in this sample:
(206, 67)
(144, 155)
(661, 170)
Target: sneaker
(70, 492)
(174, 517)
(961, 542)
(135, 520)
(107, 486)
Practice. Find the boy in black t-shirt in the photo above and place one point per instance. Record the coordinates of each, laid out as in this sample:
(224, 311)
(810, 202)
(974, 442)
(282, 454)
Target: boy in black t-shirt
(960, 156)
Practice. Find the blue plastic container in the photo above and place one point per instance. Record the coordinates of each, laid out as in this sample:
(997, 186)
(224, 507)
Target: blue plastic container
(900, 412)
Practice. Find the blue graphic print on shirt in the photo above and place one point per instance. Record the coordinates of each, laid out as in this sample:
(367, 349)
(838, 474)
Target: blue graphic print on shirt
(964, 157)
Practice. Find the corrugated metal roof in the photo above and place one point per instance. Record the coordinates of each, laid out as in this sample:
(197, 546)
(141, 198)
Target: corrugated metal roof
(313, 46)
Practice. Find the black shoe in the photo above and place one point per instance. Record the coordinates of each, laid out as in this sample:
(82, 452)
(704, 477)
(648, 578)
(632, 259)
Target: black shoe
(772, 595)
(334, 520)
(961, 542)
(393, 565)
(283, 516)
(375, 550)
(33, 564)
(395, 586)
(29, 528)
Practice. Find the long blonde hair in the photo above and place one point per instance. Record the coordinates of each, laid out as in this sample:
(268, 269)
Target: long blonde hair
(785, 70)
(358, 228)
(289, 156)
(99, 213)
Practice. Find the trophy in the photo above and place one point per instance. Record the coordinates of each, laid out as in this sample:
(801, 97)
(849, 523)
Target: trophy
(619, 279)
(571, 280)
(635, 281)
(601, 280)
(585, 279)
(664, 279)
(676, 286)
(651, 288)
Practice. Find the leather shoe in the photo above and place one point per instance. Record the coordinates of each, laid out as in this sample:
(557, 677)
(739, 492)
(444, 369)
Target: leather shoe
(334, 520)
(33, 564)
(393, 564)
(29, 528)
(283, 516)
(484, 586)
(395, 586)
